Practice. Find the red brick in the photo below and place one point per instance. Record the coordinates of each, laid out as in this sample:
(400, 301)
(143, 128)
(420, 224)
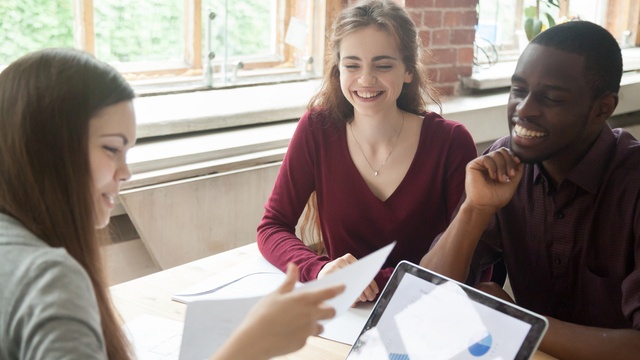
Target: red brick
(447, 75)
(445, 90)
(444, 56)
(465, 70)
(465, 56)
(465, 3)
(440, 37)
(448, 4)
(425, 38)
(416, 16)
(452, 19)
(432, 19)
(418, 3)
(462, 37)
(469, 18)
(432, 74)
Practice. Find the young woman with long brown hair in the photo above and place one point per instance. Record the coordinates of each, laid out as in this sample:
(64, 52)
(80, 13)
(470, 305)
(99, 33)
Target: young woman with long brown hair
(66, 124)
(378, 165)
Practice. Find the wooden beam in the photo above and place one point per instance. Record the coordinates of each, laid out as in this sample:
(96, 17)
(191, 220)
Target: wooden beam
(84, 34)
(193, 33)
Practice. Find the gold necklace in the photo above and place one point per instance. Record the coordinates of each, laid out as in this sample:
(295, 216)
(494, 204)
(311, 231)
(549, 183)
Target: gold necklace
(375, 172)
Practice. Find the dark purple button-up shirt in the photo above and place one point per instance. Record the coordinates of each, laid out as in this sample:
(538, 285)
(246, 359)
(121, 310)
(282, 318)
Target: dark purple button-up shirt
(573, 253)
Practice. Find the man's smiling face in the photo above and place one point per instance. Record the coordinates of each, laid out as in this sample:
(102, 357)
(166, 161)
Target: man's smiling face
(549, 105)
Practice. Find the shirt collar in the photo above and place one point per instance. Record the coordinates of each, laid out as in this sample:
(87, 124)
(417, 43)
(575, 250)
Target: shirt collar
(588, 173)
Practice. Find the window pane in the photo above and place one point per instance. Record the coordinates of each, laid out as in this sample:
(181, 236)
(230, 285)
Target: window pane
(250, 28)
(29, 25)
(497, 21)
(139, 31)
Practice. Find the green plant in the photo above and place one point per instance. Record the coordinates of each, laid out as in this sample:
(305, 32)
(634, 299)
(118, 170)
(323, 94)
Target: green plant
(533, 24)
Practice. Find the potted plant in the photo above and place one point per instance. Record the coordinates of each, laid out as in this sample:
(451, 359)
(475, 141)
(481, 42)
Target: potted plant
(533, 23)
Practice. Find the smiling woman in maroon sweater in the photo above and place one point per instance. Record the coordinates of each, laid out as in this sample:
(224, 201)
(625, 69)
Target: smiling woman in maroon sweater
(381, 167)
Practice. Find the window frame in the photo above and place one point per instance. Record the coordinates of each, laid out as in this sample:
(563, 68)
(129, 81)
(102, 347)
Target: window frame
(621, 15)
(161, 77)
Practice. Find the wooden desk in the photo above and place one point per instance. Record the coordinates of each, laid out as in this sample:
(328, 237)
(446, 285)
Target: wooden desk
(151, 295)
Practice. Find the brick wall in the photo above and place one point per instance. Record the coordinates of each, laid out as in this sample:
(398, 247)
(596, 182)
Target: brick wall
(447, 29)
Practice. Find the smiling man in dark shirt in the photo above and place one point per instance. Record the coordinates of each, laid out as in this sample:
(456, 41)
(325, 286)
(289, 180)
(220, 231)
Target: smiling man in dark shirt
(559, 199)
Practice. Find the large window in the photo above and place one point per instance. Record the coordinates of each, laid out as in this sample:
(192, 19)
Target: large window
(176, 45)
(502, 24)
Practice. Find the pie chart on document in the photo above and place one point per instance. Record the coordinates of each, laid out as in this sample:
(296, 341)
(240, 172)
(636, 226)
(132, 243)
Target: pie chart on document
(481, 347)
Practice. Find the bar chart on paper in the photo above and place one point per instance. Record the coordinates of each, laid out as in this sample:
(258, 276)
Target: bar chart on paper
(393, 356)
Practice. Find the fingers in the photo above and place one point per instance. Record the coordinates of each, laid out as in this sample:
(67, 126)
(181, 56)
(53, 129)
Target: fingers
(291, 279)
(374, 286)
(328, 293)
(326, 312)
(344, 261)
(500, 165)
(370, 293)
(337, 264)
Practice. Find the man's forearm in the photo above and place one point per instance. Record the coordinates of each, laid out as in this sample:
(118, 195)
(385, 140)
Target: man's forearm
(570, 341)
(451, 256)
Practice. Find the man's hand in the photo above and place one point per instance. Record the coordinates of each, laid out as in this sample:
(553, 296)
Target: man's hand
(492, 179)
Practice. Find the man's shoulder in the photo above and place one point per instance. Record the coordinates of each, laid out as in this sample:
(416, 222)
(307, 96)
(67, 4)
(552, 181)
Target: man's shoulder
(500, 143)
(627, 149)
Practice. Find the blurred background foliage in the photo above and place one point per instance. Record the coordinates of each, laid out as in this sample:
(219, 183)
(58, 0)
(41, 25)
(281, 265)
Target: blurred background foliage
(27, 25)
(133, 31)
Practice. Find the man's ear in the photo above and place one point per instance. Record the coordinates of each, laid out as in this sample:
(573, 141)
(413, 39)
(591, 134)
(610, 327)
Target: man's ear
(603, 107)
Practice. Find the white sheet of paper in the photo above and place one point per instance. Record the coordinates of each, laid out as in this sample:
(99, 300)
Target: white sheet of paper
(154, 338)
(296, 33)
(356, 277)
(346, 328)
(253, 277)
(210, 322)
(458, 324)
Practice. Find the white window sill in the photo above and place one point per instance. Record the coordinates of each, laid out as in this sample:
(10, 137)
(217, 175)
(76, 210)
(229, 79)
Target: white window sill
(186, 135)
(499, 74)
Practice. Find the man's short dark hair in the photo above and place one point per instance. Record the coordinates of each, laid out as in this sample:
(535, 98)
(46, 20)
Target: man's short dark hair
(603, 58)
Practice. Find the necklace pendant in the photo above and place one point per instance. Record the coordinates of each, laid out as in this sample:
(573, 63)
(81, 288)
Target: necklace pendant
(375, 173)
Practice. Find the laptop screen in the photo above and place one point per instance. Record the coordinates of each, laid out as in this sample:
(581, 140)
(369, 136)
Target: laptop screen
(423, 315)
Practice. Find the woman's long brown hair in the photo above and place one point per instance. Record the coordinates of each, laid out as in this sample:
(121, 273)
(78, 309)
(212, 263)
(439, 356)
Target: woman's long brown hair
(47, 99)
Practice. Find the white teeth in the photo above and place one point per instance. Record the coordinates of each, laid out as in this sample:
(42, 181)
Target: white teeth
(110, 198)
(522, 132)
(368, 94)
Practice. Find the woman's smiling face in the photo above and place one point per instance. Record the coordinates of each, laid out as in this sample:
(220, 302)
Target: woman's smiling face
(372, 73)
(112, 132)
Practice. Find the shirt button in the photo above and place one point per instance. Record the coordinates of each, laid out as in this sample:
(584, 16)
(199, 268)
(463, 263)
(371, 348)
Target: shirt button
(557, 261)
(560, 215)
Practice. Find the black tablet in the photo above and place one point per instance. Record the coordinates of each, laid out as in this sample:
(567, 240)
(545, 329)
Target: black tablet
(424, 315)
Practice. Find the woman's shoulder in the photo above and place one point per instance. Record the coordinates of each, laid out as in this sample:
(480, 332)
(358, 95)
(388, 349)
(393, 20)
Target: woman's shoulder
(318, 121)
(27, 263)
(434, 119)
(48, 303)
(436, 125)
(29, 268)
(46, 285)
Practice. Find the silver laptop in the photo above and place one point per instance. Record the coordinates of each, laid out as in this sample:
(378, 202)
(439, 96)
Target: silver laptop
(423, 315)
